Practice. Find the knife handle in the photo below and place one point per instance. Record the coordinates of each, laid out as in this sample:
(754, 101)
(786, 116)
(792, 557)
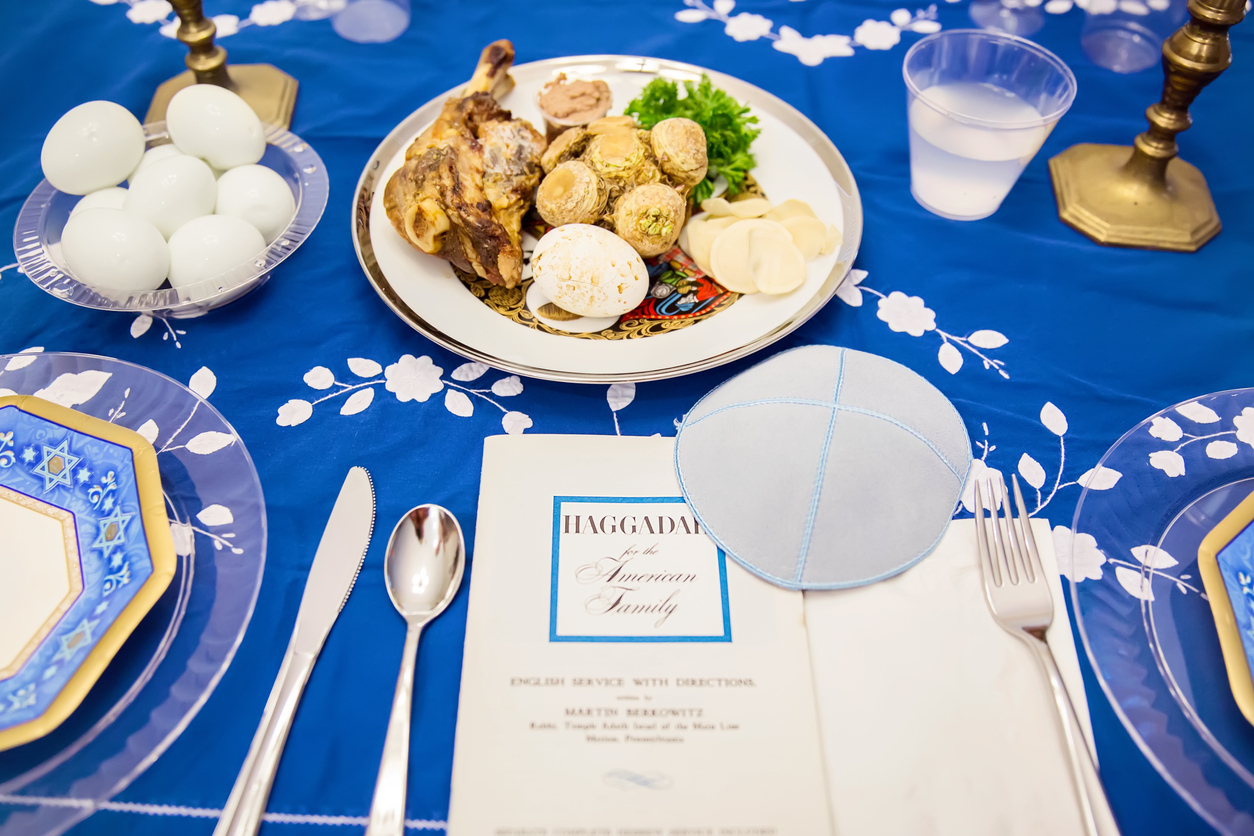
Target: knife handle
(247, 803)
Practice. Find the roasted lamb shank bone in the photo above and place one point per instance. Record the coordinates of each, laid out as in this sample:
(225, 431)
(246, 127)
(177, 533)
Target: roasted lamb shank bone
(469, 178)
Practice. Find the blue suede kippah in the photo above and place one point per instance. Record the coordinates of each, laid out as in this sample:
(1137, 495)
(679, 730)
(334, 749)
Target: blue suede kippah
(824, 467)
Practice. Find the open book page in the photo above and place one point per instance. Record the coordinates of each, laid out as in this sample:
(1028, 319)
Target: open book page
(621, 675)
(935, 720)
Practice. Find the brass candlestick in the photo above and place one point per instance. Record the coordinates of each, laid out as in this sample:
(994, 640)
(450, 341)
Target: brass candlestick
(1146, 196)
(268, 90)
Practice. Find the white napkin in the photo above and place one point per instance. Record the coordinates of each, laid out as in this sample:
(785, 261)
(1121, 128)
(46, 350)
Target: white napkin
(936, 721)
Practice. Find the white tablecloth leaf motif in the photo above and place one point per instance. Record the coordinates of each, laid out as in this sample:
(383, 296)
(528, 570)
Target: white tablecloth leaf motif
(812, 50)
(910, 315)
(409, 379)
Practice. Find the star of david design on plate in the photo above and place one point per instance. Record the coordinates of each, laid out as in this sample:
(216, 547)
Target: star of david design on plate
(112, 531)
(72, 643)
(22, 697)
(57, 465)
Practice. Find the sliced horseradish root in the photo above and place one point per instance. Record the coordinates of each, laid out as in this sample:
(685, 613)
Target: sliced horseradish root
(753, 207)
(750, 246)
(791, 208)
(809, 234)
(698, 237)
(749, 250)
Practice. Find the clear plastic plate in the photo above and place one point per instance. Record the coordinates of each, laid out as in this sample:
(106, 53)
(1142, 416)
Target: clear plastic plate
(170, 665)
(1141, 607)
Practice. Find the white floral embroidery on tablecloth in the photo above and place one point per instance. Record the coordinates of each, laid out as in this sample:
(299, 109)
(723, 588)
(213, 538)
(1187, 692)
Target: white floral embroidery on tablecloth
(1139, 8)
(141, 324)
(409, 379)
(812, 50)
(1079, 557)
(264, 13)
(619, 396)
(1031, 471)
(909, 315)
(1166, 429)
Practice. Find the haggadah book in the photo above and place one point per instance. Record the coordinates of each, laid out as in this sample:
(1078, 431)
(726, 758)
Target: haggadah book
(622, 677)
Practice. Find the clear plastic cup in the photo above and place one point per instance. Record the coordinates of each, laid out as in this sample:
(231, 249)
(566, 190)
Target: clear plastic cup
(1016, 17)
(1127, 35)
(979, 104)
(371, 21)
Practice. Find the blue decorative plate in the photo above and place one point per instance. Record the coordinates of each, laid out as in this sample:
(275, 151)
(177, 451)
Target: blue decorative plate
(87, 553)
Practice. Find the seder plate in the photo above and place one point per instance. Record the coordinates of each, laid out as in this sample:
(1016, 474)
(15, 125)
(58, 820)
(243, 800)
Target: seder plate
(795, 160)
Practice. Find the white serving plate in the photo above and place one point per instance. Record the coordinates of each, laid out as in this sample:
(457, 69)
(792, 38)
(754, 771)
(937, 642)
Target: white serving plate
(795, 160)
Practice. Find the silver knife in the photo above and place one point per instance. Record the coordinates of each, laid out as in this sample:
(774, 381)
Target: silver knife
(331, 578)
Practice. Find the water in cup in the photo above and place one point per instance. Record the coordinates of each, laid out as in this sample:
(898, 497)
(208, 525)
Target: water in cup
(964, 170)
(979, 105)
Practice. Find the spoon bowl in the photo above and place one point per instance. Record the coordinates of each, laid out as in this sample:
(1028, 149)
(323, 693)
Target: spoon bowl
(424, 563)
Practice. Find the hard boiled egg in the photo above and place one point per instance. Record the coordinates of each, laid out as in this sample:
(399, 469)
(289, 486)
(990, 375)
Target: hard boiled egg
(94, 146)
(110, 198)
(589, 271)
(172, 191)
(210, 246)
(258, 195)
(216, 125)
(157, 152)
(115, 251)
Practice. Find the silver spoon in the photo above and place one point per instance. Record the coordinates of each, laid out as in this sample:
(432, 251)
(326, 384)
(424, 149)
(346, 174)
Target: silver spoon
(425, 559)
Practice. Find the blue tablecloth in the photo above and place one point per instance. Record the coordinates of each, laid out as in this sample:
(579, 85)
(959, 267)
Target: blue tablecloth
(1107, 336)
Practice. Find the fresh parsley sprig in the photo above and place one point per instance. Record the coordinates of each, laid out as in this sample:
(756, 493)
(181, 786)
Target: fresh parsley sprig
(727, 124)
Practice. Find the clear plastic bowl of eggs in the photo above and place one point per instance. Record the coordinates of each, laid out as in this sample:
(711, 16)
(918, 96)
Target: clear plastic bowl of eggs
(172, 218)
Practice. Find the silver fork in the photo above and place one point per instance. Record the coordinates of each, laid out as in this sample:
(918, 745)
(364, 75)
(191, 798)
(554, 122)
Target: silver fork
(1018, 595)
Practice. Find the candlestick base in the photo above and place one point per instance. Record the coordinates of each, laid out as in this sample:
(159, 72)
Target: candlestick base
(1100, 196)
(269, 91)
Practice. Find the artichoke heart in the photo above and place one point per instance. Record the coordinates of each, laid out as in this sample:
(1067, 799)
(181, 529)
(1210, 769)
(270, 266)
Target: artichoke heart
(643, 177)
(568, 145)
(611, 124)
(623, 159)
(571, 194)
(679, 145)
(650, 217)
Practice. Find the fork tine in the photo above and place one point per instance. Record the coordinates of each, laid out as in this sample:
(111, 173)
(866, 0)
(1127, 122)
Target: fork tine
(1023, 564)
(1028, 536)
(1000, 535)
(989, 566)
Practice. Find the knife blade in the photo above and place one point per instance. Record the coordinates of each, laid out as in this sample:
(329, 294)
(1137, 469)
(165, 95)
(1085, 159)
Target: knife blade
(337, 561)
(332, 576)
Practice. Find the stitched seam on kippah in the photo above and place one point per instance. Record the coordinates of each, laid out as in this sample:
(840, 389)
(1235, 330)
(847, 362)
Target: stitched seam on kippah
(818, 475)
(842, 408)
(907, 428)
(798, 401)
